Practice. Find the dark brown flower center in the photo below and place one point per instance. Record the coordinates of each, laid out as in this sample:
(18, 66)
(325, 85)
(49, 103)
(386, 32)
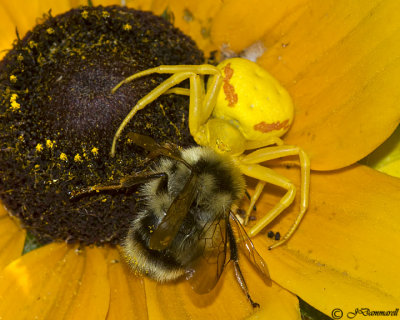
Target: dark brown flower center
(58, 118)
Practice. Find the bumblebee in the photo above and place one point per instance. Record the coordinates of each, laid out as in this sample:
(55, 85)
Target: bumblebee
(187, 226)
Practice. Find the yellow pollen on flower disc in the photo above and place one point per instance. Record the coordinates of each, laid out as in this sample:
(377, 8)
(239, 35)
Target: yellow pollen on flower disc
(49, 144)
(39, 147)
(14, 97)
(127, 27)
(63, 157)
(85, 14)
(95, 151)
(78, 158)
(15, 106)
(253, 101)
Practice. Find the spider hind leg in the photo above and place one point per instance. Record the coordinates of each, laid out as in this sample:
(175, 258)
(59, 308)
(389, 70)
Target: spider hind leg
(250, 166)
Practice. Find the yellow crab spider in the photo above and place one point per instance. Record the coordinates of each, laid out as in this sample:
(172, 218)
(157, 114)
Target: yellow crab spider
(243, 108)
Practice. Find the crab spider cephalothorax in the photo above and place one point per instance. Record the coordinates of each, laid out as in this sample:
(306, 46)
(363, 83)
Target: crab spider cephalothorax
(243, 108)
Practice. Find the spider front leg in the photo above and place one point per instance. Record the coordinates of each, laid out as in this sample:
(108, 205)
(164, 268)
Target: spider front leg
(198, 101)
(250, 166)
(147, 99)
(202, 102)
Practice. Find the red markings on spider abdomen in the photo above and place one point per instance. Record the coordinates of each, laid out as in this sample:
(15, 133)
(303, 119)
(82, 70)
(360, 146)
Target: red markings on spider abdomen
(229, 90)
(267, 127)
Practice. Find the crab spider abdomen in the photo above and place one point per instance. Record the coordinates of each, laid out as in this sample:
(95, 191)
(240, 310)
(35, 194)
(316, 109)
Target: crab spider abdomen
(253, 101)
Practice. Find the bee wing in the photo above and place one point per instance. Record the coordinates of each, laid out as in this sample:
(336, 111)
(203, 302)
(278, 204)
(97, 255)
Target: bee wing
(205, 271)
(169, 226)
(249, 249)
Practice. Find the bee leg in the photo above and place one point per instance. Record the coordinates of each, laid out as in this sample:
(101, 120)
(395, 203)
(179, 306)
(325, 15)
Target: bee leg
(243, 285)
(130, 181)
(125, 182)
(163, 185)
(167, 149)
(235, 259)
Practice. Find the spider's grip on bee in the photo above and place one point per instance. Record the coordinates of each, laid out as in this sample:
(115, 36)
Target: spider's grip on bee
(187, 225)
(242, 108)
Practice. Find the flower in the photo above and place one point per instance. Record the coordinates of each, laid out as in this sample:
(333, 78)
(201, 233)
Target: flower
(340, 63)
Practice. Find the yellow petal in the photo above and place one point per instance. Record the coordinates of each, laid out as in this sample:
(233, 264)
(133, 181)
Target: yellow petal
(194, 18)
(137, 297)
(77, 3)
(345, 253)
(127, 297)
(392, 168)
(3, 211)
(7, 31)
(387, 157)
(53, 282)
(93, 294)
(345, 88)
(12, 238)
(238, 24)
(24, 14)
(226, 300)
